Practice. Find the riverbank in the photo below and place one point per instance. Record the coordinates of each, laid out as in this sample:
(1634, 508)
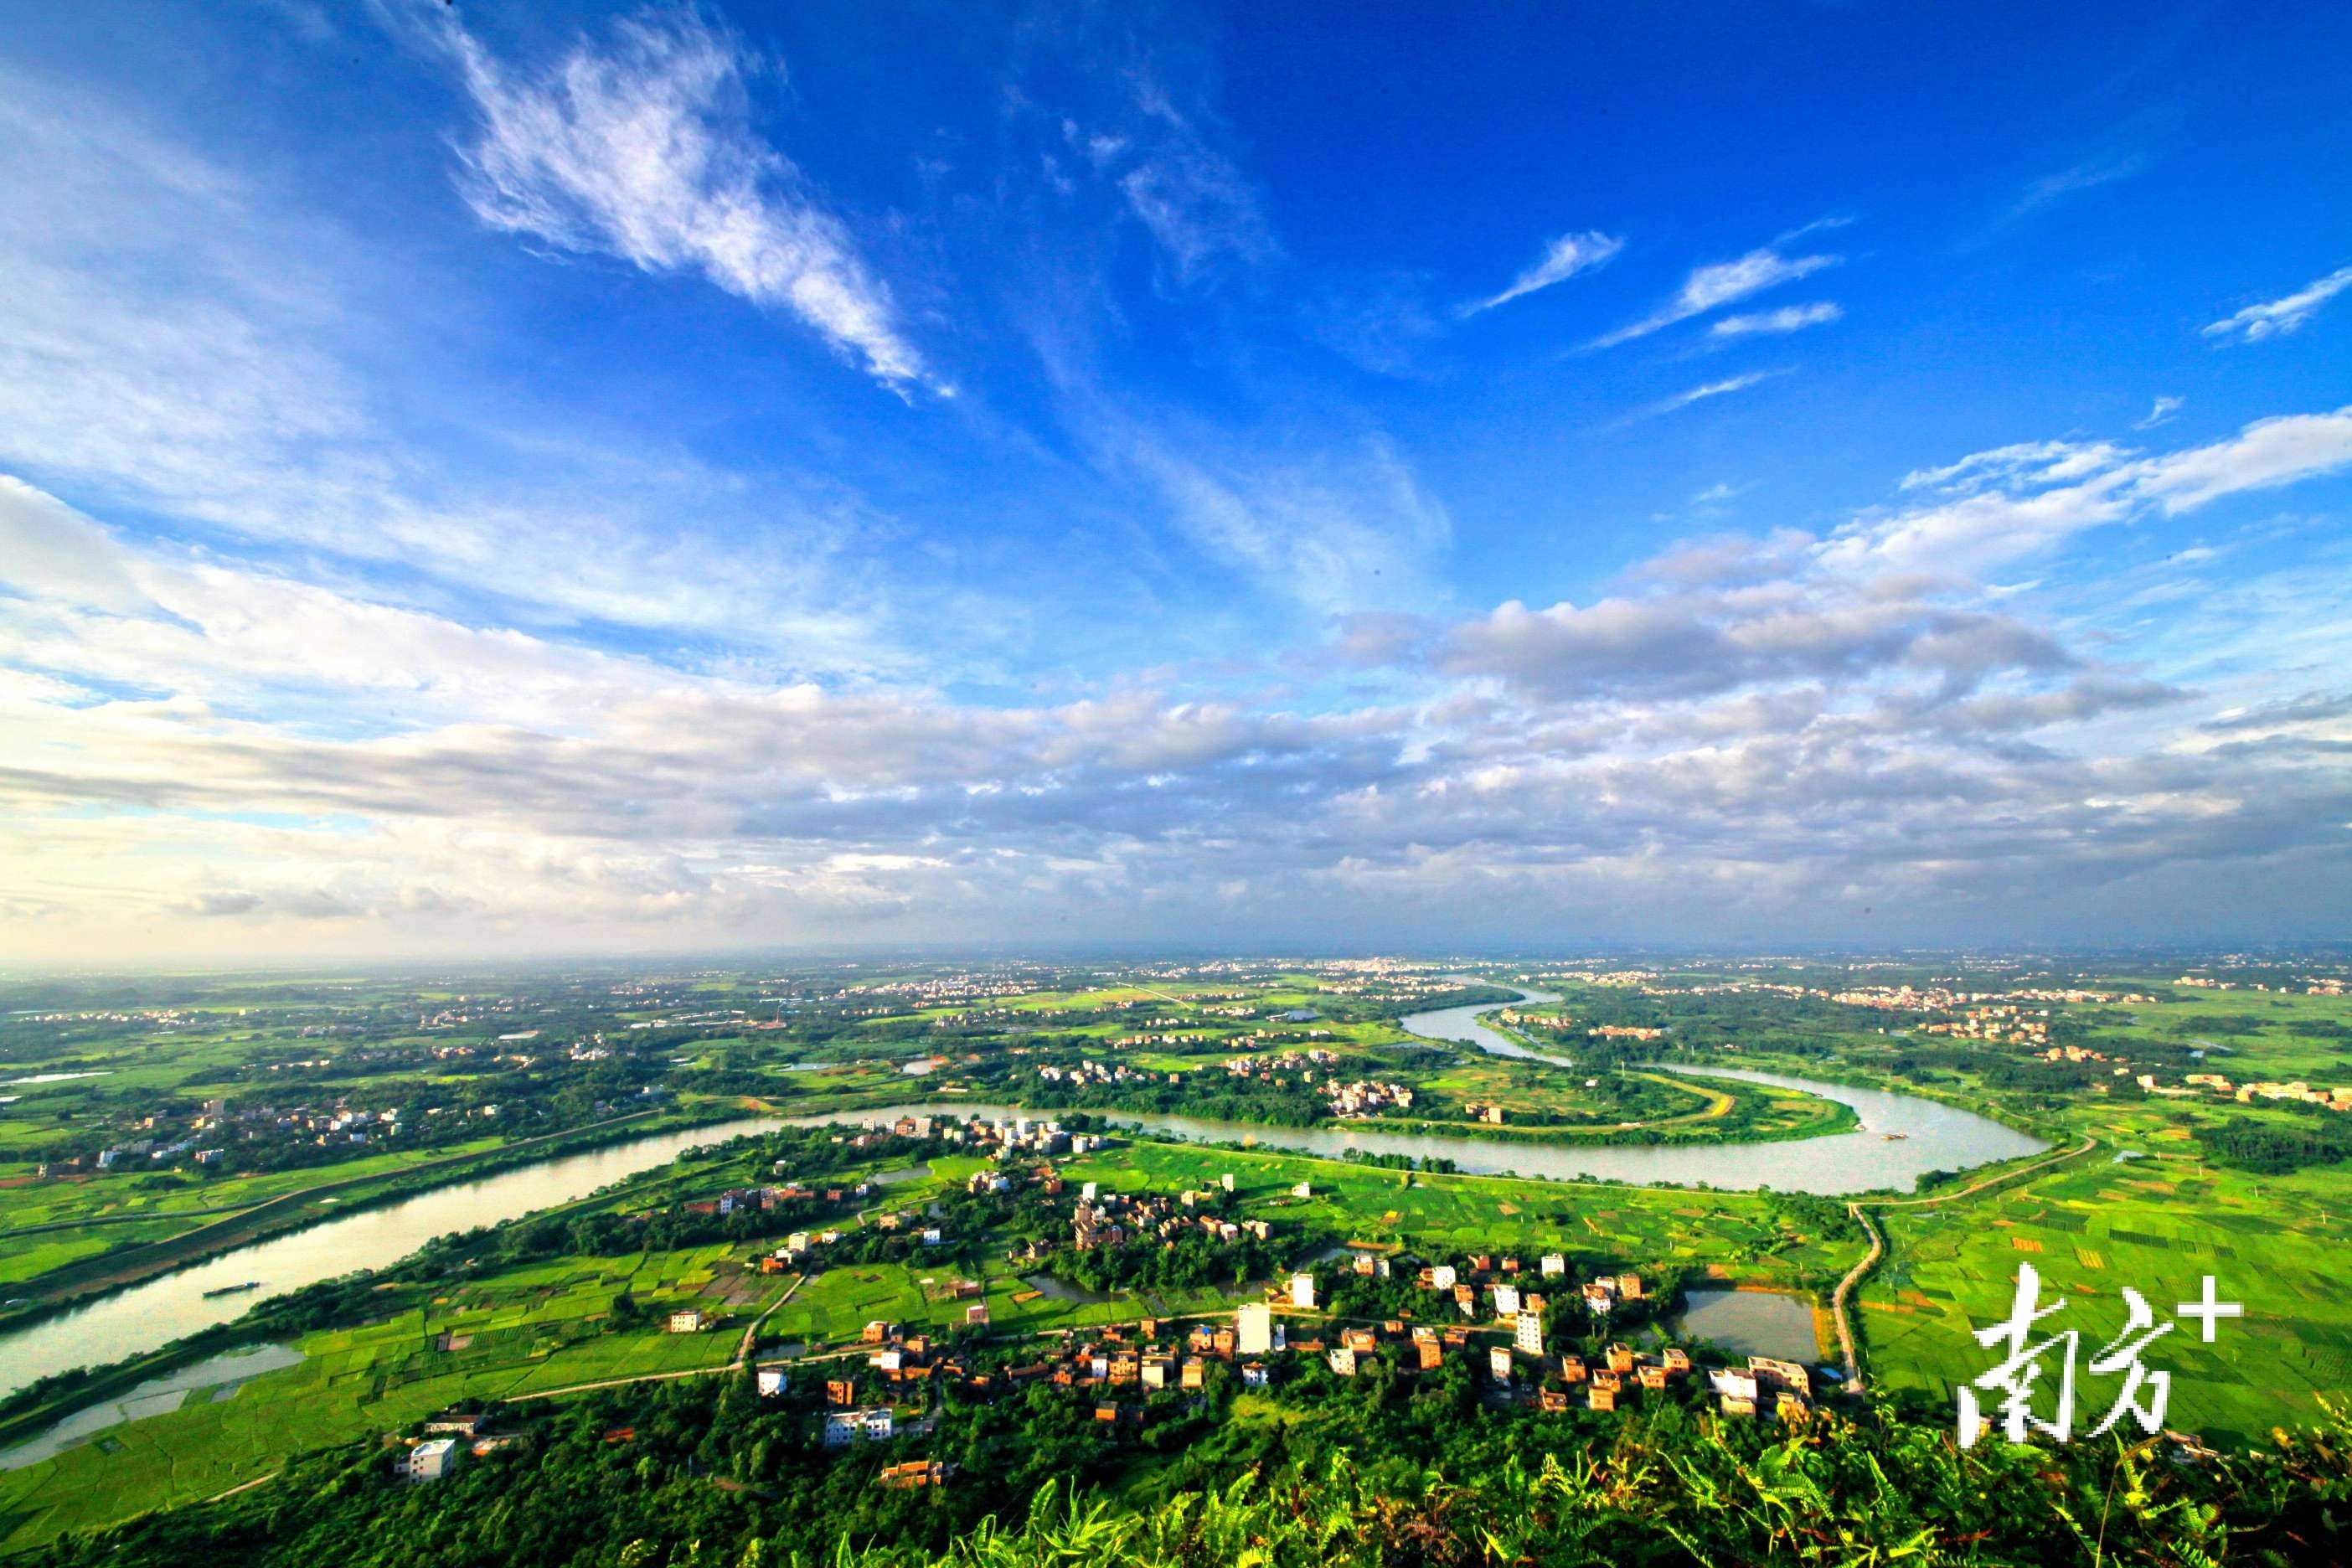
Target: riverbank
(61, 1288)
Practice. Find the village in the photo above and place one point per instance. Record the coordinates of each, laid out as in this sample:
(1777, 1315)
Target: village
(1487, 1313)
(1524, 1332)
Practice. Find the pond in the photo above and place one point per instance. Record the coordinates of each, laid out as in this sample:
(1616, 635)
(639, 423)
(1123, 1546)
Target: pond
(1751, 1322)
(1055, 1289)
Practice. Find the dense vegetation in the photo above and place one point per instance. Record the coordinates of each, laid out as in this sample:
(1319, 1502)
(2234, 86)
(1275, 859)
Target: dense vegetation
(1377, 1471)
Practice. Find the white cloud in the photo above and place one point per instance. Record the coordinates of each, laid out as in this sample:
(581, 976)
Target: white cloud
(2265, 454)
(1349, 532)
(1189, 196)
(1728, 385)
(2161, 414)
(2087, 176)
(1747, 734)
(2275, 318)
(648, 151)
(1787, 319)
(1562, 259)
(1721, 283)
(1999, 505)
(178, 342)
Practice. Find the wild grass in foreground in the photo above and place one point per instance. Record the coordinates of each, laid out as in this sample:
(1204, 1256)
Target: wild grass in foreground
(1877, 1491)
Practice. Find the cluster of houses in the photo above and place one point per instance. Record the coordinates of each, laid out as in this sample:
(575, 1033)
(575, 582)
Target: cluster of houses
(1111, 1363)
(1783, 1386)
(1364, 1097)
(1943, 999)
(1091, 1071)
(2247, 1093)
(1501, 1281)
(2313, 984)
(1006, 1137)
(216, 1124)
(2002, 1023)
(1520, 1309)
(1107, 1219)
(1268, 1069)
(1561, 1026)
(2203, 1084)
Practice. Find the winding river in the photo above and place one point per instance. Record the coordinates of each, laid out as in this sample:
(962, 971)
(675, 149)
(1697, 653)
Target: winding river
(1900, 1136)
(150, 1315)
(1461, 1025)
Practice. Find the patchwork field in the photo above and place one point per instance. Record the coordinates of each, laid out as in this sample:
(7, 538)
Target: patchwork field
(2159, 1225)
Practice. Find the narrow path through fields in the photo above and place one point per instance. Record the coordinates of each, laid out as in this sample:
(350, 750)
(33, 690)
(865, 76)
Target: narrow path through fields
(1855, 1276)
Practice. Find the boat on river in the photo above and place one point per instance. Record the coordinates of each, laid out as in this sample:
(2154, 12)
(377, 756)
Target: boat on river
(234, 1289)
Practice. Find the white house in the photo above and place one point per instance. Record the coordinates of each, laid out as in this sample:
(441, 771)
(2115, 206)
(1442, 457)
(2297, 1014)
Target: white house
(1733, 1383)
(843, 1428)
(431, 1461)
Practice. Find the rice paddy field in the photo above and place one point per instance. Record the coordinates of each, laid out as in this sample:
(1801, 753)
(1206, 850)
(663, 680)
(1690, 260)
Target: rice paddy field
(2158, 1223)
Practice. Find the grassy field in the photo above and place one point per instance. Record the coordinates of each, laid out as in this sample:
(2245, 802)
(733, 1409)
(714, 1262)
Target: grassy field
(2158, 1223)
(139, 1207)
(524, 1330)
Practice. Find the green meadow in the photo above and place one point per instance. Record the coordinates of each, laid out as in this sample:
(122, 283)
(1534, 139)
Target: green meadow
(521, 1331)
(2159, 1224)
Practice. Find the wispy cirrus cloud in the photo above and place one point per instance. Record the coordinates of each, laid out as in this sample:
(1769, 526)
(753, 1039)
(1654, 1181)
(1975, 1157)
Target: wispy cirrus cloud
(1337, 531)
(2089, 175)
(1194, 199)
(1787, 319)
(2276, 318)
(1562, 259)
(2161, 412)
(645, 150)
(1721, 283)
(1723, 388)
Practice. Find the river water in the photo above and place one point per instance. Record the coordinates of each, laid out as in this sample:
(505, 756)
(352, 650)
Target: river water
(1462, 1025)
(149, 1316)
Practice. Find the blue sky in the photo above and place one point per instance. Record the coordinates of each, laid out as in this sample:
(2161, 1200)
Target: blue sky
(508, 479)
